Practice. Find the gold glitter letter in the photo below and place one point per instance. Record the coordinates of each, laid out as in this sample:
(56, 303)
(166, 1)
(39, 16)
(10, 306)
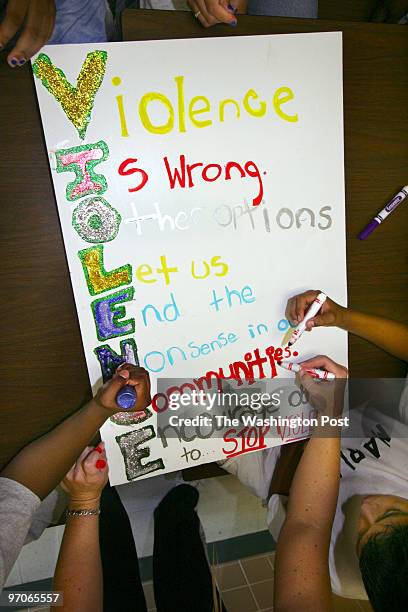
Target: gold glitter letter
(97, 278)
(77, 102)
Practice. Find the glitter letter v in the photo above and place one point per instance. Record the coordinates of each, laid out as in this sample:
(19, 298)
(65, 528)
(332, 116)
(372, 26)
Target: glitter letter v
(77, 102)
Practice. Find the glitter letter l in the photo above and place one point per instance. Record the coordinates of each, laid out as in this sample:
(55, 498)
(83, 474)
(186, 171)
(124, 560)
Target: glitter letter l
(97, 278)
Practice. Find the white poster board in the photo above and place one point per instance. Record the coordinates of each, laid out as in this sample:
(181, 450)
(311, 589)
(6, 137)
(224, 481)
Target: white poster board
(199, 183)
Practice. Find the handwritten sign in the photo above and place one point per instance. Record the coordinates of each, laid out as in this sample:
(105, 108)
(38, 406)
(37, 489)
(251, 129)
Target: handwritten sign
(199, 184)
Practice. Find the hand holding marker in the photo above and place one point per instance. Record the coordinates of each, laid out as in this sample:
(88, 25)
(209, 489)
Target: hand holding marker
(313, 310)
(295, 367)
(126, 398)
(313, 372)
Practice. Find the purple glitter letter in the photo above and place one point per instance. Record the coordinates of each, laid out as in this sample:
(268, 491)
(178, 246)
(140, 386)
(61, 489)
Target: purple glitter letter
(107, 315)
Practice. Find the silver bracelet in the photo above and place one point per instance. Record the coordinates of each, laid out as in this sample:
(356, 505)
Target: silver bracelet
(93, 512)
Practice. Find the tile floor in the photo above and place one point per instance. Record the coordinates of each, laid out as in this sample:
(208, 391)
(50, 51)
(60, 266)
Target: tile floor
(246, 585)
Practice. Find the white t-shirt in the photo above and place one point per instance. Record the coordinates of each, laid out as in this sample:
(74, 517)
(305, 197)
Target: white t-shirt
(375, 462)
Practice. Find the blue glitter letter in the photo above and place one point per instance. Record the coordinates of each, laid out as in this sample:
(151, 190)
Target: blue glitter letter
(109, 360)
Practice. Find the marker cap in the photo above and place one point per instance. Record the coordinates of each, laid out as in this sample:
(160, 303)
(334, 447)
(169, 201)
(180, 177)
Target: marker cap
(126, 397)
(368, 229)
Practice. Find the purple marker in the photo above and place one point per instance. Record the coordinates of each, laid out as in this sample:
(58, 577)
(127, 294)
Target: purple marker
(392, 205)
(126, 398)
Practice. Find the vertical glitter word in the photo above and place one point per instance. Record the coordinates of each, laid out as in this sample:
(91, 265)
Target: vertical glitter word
(109, 360)
(76, 102)
(82, 160)
(97, 278)
(129, 445)
(96, 220)
(108, 314)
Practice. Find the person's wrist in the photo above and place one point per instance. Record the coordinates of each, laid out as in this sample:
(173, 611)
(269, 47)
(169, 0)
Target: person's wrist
(341, 316)
(104, 411)
(84, 503)
(325, 430)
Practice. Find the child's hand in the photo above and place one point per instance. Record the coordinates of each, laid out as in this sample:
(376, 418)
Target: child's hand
(38, 17)
(126, 374)
(330, 313)
(326, 396)
(86, 479)
(210, 12)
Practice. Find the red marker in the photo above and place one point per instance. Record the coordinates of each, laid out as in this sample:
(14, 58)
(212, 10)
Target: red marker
(315, 372)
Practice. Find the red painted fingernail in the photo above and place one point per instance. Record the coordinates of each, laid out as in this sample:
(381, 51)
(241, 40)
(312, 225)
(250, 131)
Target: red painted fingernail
(99, 450)
(100, 464)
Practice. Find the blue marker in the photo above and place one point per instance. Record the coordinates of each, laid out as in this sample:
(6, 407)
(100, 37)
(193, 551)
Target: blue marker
(126, 398)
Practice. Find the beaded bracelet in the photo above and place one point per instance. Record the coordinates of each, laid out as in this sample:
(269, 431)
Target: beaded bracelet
(92, 512)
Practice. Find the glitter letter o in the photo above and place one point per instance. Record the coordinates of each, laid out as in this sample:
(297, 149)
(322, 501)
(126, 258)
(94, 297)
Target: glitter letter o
(96, 220)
